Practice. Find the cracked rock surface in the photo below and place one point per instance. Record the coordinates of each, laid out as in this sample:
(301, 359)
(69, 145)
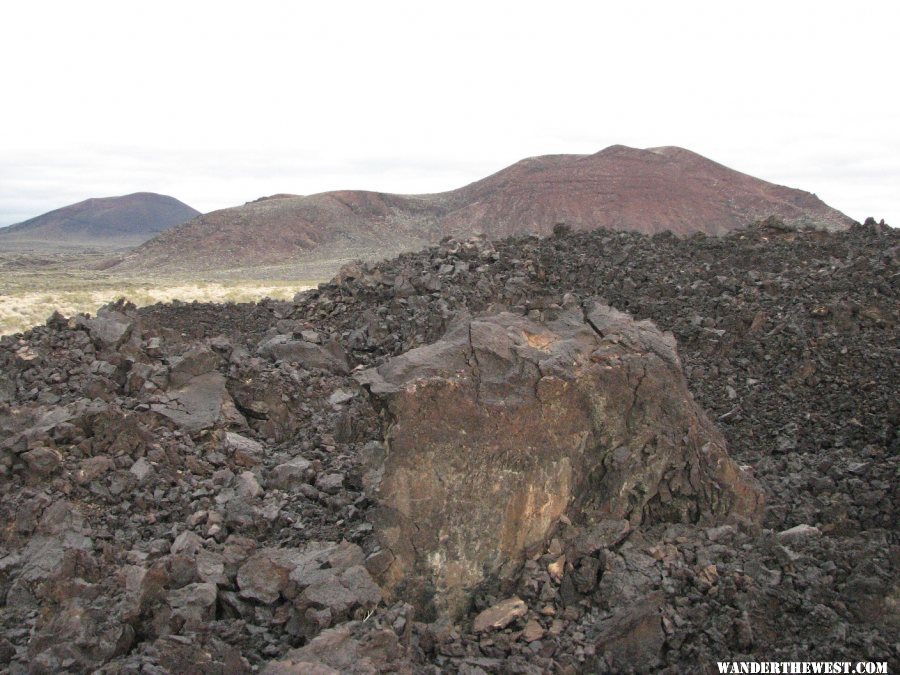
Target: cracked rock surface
(153, 522)
(507, 424)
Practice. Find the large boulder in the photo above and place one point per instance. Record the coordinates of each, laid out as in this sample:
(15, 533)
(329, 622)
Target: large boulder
(507, 424)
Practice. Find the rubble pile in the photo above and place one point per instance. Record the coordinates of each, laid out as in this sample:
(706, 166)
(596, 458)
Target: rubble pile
(203, 488)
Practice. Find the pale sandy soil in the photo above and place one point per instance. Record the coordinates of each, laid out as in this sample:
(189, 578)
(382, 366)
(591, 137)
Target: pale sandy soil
(35, 284)
(22, 310)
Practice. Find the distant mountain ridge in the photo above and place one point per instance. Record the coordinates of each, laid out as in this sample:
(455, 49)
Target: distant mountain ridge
(107, 221)
(650, 190)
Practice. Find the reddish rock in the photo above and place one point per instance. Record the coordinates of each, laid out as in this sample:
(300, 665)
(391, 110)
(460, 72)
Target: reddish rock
(533, 631)
(264, 575)
(506, 425)
(624, 188)
(353, 648)
(499, 616)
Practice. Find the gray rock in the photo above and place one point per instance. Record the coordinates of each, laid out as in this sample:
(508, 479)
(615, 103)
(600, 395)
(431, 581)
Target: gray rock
(42, 461)
(798, 532)
(104, 368)
(306, 354)
(198, 360)
(194, 604)
(141, 469)
(311, 336)
(211, 568)
(247, 486)
(341, 592)
(94, 467)
(201, 403)
(290, 474)
(602, 535)
(341, 396)
(110, 327)
(633, 637)
(247, 447)
(187, 543)
(330, 482)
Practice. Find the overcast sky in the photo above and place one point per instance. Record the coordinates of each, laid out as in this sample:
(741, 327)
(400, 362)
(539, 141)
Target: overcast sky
(218, 103)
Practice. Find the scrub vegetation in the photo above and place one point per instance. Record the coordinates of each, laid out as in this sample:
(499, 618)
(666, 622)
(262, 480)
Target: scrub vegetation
(34, 285)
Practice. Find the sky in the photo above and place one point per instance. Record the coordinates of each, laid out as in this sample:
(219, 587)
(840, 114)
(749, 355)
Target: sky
(218, 103)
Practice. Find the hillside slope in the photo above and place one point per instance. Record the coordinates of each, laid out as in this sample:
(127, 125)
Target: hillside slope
(619, 188)
(108, 221)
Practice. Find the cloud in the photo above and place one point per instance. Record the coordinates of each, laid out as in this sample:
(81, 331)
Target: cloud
(409, 97)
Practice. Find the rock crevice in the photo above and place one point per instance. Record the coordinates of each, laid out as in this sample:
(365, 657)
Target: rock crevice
(508, 424)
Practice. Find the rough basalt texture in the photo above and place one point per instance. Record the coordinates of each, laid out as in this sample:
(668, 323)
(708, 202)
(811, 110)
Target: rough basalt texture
(506, 425)
(117, 520)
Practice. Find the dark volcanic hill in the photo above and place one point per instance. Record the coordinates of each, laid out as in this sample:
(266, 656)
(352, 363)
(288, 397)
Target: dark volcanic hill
(109, 221)
(619, 188)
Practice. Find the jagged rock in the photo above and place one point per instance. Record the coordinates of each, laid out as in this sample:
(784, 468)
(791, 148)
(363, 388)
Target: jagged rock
(247, 485)
(290, 474)
(633, 638)
(299, 667)
(61, 531)
(341, 396)
(505, 425)
(194, 605)
(311, 336)
(211, 568)
(77, 634)
(246, 451)
(326, 575)
(499, 616)
(196, 654)
(799, 532)
(352, 648)
(330, 482)
(338, 593)
(110, 327)
(586, 575)
(265, 575)
(187, 543)
(197, 361)
(628, 575)
(94, 467)
(201, 403)
(329, 357)
(141, 469)
(786, 340)
(602, 535)
(532, 631)
(42, 461)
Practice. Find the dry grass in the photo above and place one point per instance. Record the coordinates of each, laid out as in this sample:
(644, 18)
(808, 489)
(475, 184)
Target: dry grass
(33, 286)
(21, 311)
